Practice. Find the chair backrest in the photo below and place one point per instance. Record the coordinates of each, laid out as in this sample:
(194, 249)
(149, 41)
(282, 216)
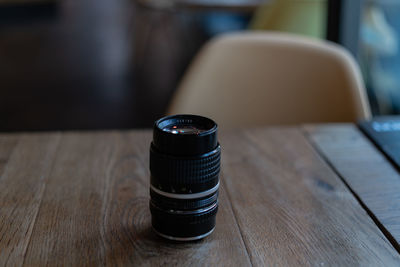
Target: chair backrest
(258, 78)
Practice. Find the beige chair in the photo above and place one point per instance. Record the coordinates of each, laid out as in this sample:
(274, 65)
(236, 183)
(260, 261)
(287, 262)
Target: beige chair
(259, 78)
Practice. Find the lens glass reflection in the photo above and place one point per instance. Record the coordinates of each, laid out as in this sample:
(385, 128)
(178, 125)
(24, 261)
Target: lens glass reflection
(183, 129)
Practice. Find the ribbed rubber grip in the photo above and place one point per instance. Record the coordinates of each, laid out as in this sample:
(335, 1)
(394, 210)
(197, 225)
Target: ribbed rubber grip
(184, 174)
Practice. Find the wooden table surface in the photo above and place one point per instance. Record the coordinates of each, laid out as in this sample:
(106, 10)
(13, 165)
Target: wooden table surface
(316, 195)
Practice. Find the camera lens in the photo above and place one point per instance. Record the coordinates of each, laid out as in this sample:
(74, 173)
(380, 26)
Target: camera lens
(184, 166)
(184, 129)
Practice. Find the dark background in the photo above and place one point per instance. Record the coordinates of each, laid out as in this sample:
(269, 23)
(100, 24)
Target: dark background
(112, 64)
(92, 64)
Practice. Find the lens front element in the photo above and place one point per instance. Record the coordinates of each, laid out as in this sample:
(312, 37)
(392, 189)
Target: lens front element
(183, 129)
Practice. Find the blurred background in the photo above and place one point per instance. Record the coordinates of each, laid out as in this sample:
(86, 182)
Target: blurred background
(106, 64)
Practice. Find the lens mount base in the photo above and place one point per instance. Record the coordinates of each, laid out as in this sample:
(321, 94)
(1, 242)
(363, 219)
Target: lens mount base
(184, 238)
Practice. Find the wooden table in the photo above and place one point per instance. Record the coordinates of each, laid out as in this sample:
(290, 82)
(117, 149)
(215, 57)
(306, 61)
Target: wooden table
(315, 195)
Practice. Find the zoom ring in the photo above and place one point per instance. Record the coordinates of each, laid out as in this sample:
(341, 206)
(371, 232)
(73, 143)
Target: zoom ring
(181, 170)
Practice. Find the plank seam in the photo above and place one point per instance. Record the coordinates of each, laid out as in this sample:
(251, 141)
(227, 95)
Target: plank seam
(42, 195)
(108, 194)
(380, 226)
(237, 223)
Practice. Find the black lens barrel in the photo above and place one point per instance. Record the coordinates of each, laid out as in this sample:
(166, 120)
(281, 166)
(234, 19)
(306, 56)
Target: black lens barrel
(184, 175)
(184, 169)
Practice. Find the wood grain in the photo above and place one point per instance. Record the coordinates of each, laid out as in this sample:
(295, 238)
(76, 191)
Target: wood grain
(22, 183)
(291, 207)
(128, 235)
(95, 210)
(67, 229)
(81, 198)
(374, 180)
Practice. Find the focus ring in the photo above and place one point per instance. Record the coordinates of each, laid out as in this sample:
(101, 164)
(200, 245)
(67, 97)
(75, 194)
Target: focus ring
(183, 170)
